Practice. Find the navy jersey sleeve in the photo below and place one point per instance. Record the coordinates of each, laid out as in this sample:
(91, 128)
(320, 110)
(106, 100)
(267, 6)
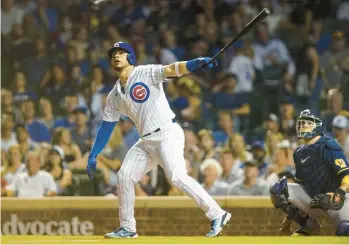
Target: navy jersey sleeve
(338, 161)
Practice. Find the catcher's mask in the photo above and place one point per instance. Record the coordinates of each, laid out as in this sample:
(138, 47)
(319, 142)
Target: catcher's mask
(309, 125)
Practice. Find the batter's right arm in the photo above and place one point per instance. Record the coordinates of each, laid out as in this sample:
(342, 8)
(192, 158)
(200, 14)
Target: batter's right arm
(110, 117)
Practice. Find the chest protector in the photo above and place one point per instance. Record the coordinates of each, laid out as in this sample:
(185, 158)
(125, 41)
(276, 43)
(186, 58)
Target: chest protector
(313, 169)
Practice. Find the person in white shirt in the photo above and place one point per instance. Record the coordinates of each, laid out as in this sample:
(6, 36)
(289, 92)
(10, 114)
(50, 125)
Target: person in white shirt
(10, 15)
(139, 94)
(33, 182)
(212, 171)
(15, 165)
(242, 66)
(340, 129)
(8, 137)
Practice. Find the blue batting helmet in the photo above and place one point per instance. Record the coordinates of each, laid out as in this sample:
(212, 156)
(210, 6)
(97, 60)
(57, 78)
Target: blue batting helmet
(131, 57)
(309, 125)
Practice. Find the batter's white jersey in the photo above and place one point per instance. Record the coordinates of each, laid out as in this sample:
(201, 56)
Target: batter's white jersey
(144, 101)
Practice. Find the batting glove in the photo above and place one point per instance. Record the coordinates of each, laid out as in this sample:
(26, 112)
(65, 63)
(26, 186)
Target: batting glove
(204, 63)
(91, 166)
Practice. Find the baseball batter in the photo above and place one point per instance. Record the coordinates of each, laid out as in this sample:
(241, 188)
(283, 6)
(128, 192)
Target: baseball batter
(139, 94)
(322, 175)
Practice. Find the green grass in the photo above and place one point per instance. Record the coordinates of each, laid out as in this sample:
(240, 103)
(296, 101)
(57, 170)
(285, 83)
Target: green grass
(173, 240)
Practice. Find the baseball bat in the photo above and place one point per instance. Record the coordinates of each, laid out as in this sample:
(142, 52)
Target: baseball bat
(260, 17)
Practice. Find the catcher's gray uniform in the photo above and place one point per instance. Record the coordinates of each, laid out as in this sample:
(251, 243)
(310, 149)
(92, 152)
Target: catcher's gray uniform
(301, 200)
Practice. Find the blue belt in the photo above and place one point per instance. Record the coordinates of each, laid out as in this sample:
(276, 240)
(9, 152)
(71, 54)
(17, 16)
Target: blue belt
(156, 130)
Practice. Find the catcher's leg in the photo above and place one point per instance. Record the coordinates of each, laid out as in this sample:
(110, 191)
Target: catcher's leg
(341, 219)
(293, 201)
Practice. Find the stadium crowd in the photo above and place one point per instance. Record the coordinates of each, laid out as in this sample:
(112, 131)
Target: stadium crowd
(239, 120)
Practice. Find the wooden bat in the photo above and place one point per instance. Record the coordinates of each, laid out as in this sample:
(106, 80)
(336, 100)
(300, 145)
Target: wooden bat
(260, 17)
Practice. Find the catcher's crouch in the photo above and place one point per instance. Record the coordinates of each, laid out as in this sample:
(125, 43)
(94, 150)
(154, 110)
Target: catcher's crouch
(322, 175)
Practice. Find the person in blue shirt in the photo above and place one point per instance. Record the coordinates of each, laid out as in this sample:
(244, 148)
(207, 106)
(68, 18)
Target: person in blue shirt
(38, 131)
(321, 168)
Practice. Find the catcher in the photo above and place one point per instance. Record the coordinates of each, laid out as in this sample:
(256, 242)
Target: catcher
(322, 176)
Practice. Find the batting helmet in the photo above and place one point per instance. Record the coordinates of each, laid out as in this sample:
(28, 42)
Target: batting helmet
(131, 57)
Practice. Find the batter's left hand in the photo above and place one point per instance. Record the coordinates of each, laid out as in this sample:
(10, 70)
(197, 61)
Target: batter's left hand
(91, 166)
(205, 63)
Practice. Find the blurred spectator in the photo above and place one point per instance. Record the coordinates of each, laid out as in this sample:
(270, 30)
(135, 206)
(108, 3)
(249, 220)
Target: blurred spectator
(319, 37)
(225, 96)
(8, 137)
(55, 85)
(226, 128)
(189, 91)
(7, 105)
(250, 184)
(33, 182)
(21, 47)
(25, 143)
(282, 161)
(206, 143)
(287, 120)
(45, 112)
(10, 15)
(212, 171)
(308, 86)
(170, 42)
(242, 66)
(271, 124)
(66, 32)
(273, 59)
(36, 66)
(143, 58)
(143, 187)
(70, 102)
(81, 133)
(27, 6)
(129, 12)
(21, 92)
(129, 131)
(38, 131)
(231, 169)
(46, 18)
(61, 175)
(331, 62)
(30, 30)
(43, 149)
(333, 108)
(163, 55)
(340, 129)
(15, 164)
(342, 11)
(72, 154)
(112, 156)
(237, 145)
(162, 16)
(259, 155)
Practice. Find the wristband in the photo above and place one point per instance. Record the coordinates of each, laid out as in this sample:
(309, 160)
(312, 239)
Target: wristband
(177, 69)
(192, 65)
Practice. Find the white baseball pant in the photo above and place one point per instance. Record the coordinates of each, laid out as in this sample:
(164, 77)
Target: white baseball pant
(299, 198)
(165, 148)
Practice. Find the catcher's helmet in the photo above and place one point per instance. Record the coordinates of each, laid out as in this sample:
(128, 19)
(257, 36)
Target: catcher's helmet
(131, 57)
(309, 125)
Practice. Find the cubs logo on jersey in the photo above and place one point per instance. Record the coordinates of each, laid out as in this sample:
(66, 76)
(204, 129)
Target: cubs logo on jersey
(139, 92)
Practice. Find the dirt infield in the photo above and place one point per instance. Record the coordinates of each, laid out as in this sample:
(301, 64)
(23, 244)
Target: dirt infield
(172, 240)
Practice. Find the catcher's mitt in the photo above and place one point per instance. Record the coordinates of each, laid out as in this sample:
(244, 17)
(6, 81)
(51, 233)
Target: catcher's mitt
(329, 201)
